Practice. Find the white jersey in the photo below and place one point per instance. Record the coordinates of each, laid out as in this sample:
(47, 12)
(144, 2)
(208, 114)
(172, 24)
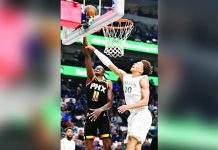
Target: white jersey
(140, 119)
(67, 145)
(132, 89)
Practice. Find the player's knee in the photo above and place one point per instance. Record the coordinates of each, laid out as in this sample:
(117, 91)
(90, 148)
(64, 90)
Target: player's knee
(138, 146)
(89, 147)
(89, 144)
(107, 146)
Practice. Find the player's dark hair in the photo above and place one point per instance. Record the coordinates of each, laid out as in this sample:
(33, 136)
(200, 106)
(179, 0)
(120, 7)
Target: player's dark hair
(71, 128)
(147, 67)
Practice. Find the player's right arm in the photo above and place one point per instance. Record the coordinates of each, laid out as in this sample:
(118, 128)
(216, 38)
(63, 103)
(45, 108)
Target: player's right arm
(88, 60)
(107, 62)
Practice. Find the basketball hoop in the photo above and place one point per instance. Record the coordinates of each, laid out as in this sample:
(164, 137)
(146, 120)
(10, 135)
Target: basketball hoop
(115, 36)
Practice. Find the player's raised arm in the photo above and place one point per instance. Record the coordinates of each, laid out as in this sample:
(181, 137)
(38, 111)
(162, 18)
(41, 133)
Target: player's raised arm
(107, 62)
(88, 60)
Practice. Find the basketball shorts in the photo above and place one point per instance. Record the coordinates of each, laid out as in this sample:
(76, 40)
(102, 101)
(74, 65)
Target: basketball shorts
(101, 124)
(139, 123)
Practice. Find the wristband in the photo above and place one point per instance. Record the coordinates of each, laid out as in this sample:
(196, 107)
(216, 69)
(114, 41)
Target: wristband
(102, 108)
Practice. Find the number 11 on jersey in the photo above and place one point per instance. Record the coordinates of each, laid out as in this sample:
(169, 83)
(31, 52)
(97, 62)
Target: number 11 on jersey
(95, 96)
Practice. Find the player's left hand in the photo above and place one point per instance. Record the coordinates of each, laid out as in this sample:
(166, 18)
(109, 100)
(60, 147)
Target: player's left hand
(94, 115)
(123, 108)
(92, 48)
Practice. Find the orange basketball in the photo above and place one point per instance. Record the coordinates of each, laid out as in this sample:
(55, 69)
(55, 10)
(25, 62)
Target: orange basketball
(91, 11)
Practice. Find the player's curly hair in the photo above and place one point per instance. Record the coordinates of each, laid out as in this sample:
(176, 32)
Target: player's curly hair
(147, 67)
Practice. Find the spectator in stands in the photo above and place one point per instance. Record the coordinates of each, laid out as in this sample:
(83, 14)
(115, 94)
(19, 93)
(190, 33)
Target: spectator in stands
(115, 136)
(81, 135)
(69, 123)
(116, 119)
(68, 143)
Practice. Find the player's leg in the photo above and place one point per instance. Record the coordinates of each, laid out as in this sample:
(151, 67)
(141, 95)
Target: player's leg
(104, 130)
(139, 129)
(131, 143)
(90, 133)
(138, 146)
(107, 143)
(89, 144)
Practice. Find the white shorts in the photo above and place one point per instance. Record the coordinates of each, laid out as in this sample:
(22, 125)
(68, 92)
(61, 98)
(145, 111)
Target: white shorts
(139, 123)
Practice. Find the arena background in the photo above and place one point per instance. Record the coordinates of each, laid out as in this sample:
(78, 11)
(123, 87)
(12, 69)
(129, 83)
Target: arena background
(187, 39)
(142, 44)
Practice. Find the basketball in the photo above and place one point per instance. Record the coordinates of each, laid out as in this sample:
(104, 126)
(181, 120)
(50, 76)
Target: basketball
(91, 10)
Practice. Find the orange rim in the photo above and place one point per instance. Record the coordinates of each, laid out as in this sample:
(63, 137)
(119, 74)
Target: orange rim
(120, 20)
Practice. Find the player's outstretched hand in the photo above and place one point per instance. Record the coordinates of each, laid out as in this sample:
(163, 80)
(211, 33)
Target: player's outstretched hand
(123, 108)
(92, 48)
(94, 115)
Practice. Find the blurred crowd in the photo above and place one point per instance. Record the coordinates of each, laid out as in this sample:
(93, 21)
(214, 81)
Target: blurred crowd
(144, 33)
(140, 12)
(73, 113)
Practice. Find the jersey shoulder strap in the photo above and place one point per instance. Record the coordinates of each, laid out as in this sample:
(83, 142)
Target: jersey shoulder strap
(87, 83)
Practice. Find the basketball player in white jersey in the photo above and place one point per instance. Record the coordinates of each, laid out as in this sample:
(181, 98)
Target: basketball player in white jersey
(136, 91)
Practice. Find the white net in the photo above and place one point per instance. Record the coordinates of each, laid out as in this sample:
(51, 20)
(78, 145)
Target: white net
(115, 36)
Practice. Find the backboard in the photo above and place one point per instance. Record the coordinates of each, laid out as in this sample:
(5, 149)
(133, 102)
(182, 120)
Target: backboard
(70, 11)
(70, 36)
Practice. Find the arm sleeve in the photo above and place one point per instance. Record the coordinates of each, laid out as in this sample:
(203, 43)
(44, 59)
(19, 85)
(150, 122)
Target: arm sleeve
(104, 59)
